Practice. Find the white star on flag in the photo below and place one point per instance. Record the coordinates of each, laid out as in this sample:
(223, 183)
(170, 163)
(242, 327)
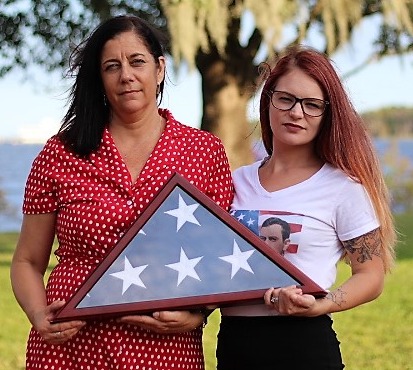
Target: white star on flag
(130, 275)
(241, 217)
(184, 213)
(238, 259)
(250, 222)
(185, 267)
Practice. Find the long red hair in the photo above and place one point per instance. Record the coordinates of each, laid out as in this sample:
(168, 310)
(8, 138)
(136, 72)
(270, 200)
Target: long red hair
(343, 140)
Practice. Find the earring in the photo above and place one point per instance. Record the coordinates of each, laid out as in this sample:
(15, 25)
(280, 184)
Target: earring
(158, 89)
(105, 100)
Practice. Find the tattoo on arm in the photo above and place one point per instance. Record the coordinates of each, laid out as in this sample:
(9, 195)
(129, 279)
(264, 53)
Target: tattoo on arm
(366, 246)
(338, 296)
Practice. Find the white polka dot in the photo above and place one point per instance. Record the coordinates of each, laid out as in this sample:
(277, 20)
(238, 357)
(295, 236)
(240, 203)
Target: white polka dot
(96, 204)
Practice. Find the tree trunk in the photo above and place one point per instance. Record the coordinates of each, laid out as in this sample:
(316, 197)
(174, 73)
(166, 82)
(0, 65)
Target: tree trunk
(228, 83)
(227, 86)
(224, 113)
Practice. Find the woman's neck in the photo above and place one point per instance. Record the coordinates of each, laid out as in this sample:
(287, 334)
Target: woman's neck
(283, 169)
(129, 126)
(294, 158)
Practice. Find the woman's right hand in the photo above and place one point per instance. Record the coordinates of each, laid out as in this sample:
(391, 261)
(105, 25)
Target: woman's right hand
(290, 301)
(54, 333)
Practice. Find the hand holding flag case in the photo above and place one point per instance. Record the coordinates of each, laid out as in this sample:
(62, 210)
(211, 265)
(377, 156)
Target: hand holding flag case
(183, 252)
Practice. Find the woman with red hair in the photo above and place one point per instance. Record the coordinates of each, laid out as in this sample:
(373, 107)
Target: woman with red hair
(322, 170)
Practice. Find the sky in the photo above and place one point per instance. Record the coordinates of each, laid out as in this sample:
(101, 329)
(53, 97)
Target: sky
(31, 109)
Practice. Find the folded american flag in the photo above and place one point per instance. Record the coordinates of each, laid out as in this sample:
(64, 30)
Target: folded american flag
(183, 252)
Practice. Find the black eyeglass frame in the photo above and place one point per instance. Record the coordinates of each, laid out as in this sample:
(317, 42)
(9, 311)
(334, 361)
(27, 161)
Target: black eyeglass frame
(298, 100)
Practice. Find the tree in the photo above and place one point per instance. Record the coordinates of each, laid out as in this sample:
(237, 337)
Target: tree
(205, 34)
(3, 203)
(398, 172)
(390, 121)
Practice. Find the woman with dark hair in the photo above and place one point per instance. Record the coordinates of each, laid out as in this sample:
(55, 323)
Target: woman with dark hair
(89, 184)
(321, 171)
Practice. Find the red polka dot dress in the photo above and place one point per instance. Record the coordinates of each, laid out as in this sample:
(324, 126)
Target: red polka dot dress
(96, 203)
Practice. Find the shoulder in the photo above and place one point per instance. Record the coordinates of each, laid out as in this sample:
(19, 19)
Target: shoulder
(180, 129)
(245, 179)
(331, 175)
(199, 134)
(333, 172)
(352, 202)
(54, 154)
(333, 183)
(246, 171)
(53, 142)
(52, 147)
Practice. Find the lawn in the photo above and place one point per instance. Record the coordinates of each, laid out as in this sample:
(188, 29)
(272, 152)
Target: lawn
(376, 336)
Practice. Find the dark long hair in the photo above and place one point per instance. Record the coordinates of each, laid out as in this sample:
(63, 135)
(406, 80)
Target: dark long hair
(343, 140)
(83, 125)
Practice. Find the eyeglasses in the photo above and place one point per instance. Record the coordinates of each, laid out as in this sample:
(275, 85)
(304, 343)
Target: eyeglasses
(311, 106)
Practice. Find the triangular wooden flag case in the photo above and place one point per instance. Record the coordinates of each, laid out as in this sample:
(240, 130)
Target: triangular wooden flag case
(183, 252)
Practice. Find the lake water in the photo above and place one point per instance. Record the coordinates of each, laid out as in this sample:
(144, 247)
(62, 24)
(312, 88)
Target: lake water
(16, 160)
(15, 163)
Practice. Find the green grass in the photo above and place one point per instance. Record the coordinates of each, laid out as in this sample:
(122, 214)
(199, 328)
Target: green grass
(13, 322)
(376, 336)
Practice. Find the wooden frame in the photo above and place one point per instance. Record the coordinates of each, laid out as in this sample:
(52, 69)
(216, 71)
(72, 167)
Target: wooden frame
(209, 289)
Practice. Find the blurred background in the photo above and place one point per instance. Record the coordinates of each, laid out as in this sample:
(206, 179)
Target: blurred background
(213, 82)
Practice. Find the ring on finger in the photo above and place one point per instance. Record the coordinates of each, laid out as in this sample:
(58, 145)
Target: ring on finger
(58, 334)
(274, 300)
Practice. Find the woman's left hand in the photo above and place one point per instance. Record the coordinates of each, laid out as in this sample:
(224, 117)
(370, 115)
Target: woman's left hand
(166, 322)
(290, 301)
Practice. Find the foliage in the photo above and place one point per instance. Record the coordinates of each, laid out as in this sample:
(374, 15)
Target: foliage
(390, 121)
(3, 204)
(394, 124)
(44, 32)
(205, 34)
(54, 27)
(205, 25)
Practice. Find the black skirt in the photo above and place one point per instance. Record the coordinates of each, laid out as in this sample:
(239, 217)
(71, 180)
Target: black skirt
(278, 343)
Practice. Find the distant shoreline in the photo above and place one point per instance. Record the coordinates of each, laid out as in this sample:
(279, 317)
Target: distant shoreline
(21, 141)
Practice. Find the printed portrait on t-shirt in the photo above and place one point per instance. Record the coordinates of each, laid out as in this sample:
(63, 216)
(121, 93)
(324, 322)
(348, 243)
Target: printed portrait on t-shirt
(279, 230)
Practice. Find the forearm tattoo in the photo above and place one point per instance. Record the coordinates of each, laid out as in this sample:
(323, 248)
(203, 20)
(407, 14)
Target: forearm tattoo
(338, 296)
(366, 246)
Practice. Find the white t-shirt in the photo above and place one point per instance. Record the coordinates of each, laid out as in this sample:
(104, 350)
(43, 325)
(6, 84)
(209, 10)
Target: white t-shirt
(322, 211)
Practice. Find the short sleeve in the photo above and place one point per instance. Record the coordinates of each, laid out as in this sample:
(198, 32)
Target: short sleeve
(40, 191)
(355, 214)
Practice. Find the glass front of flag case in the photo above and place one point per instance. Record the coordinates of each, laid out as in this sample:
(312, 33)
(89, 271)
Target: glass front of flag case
(184, 252)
